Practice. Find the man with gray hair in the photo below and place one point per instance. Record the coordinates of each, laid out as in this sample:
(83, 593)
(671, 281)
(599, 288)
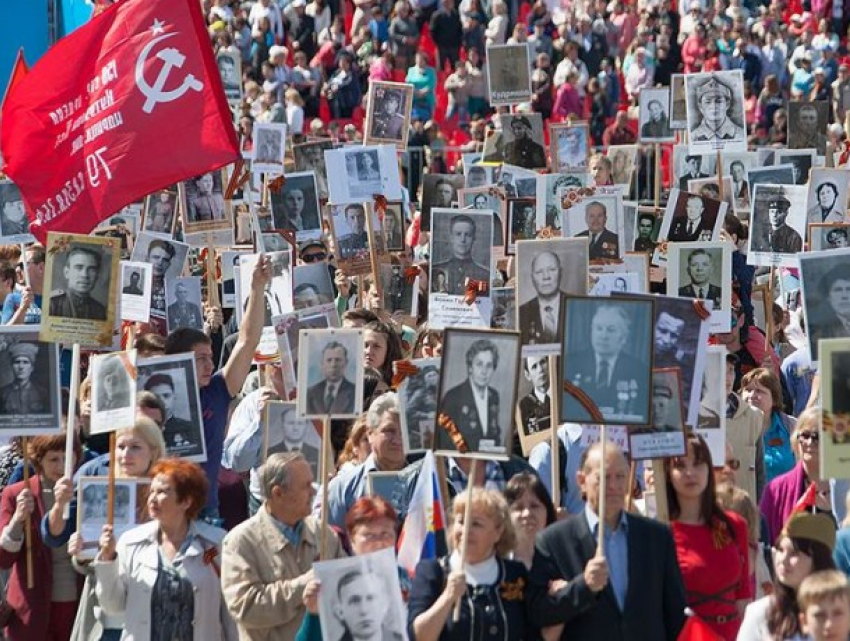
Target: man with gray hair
(267, 560)
(387, 456)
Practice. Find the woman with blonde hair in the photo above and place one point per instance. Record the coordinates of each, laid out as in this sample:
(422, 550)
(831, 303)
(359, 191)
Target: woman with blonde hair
(294, 111)
(357, 448)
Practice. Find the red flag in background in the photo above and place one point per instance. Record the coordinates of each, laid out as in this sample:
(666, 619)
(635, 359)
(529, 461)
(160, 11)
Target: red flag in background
(19, 71)
(129, 103)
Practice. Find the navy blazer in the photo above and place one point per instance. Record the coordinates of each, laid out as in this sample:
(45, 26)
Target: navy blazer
(655, 603)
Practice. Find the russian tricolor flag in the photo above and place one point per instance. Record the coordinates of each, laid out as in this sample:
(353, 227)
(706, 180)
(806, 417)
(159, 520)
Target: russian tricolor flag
(418, 539)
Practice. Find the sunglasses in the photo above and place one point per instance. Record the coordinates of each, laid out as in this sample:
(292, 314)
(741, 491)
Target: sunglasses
(812, 437)
(314, 258)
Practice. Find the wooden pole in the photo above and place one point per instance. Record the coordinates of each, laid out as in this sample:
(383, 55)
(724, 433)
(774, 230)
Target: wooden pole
(361, 294)
(70, 421)
(373, 254)
(720, 175)
(603, 484)
(657, 160)
(110, 488)
(768, 308)
(662, 510)
(467, 518)
(554, 448)
(630, 495)
(28, 524)
(212, 282)
(325, 472)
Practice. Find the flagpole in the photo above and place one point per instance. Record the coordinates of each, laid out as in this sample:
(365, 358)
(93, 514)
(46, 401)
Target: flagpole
(467, 518)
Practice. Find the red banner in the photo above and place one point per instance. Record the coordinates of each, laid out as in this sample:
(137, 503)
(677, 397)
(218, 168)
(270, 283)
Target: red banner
(129, 103)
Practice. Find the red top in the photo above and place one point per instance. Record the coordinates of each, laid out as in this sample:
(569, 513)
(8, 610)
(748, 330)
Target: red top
(723, 574)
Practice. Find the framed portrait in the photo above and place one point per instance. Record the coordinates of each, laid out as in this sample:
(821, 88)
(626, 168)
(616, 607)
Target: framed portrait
(771, 175)
(417, 400)
(354, 237)
(357, 173)
(607, 352)
(547, 272)
(824, 278)
(330, 373)
(184, 304)
(229, 261)
(203, 204)
(486, 199)
(738, 166)
(274, 240)
(461, 242)
(524, 221)
(570, 146)
(123, 226)
(777, 225)
(509, 71)
(166, 258)
(174, 380)
(388, 113)
(689, 218)
(394, 227)
(623, 163)
(130, 499)
(287, 328)
(534, 410)
(286, 432)
(439, 191)
(81, 280)
(269, 147)
(630, 212)
(400, 290)
(599, 218)
(711, 419)
(136, 281)
(504, 308)
(801, 160)
(634, 271)
(654, 116)
(14, 223)
(807, 123)
(518, 140)
(715, 107)
(549, 190)
(678, 102)
(517, 182)
(311, 286)
(479, 174)
(823, 236)
(28, 363)
(835, 418)
(710, 188)
(703, 271)
(230, 69)
(826, 201)
(160, 211)
(113, 391)
(295, 206)
(477, 393)
(361, 593)
(665, 437)
(687, 166)
(310, 156)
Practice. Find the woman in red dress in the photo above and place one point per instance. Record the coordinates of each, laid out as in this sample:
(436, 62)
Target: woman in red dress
(711, 544)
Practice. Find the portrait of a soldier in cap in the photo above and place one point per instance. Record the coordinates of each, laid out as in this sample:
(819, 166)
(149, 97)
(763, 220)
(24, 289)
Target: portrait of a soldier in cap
(780, 238)
(388, 121)
(22, 395)
(81, 273)
(523, 151)
(712, 121)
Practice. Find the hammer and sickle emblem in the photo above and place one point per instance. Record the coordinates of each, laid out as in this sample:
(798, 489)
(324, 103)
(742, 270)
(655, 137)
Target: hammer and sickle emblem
(170, 58)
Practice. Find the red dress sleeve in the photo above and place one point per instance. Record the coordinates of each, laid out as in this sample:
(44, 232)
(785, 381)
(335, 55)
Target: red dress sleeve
(745, 587)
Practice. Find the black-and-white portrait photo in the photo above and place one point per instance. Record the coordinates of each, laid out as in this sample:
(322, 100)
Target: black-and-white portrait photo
(711, 415)
(361, 599)
(330, 373)
(509, 72)
(825, 282)
(174, 381)
(477, 392)
(599, 218)
(309, 156)
(460, 250)
(230, 69)
(770, 175)
(710, 188)
(113, 392)
(350, 230)
(394, 227)
(654, 115)
(82, 278)
(647, 226)
(136, 281)
(623, 161)
(823, 236)
(93, 508)
(523, 221)
(287, 328)
(439, 191)
(665, 436)
(678, 102)
(417, 396)
(29, 383)
(807, 122)
(272, 241)
(269, 147)
(801, 161)
(311, 286)
(550, 190)
(703, 270)
(132, 279)
(160, 211)
(229, 263)
(608, 283)
(401, 292)
(483, 199)
(691, 217)
(607, 353)
(737, 166)
(777, 224)
(827, 196)
(479, 175)
(688, 167)
(535, 402)
(166, 258)
(716, 111)
(205, 200)
(547, 271)
(295, 206)
(183, 296)
(277, 295)
(570, 146)
(285, 432)
(388, 113)
(519, 140)
(357, 173)
(504, 308)
(14, 223)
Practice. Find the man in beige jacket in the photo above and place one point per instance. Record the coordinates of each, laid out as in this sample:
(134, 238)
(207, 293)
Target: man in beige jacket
(267, 560)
